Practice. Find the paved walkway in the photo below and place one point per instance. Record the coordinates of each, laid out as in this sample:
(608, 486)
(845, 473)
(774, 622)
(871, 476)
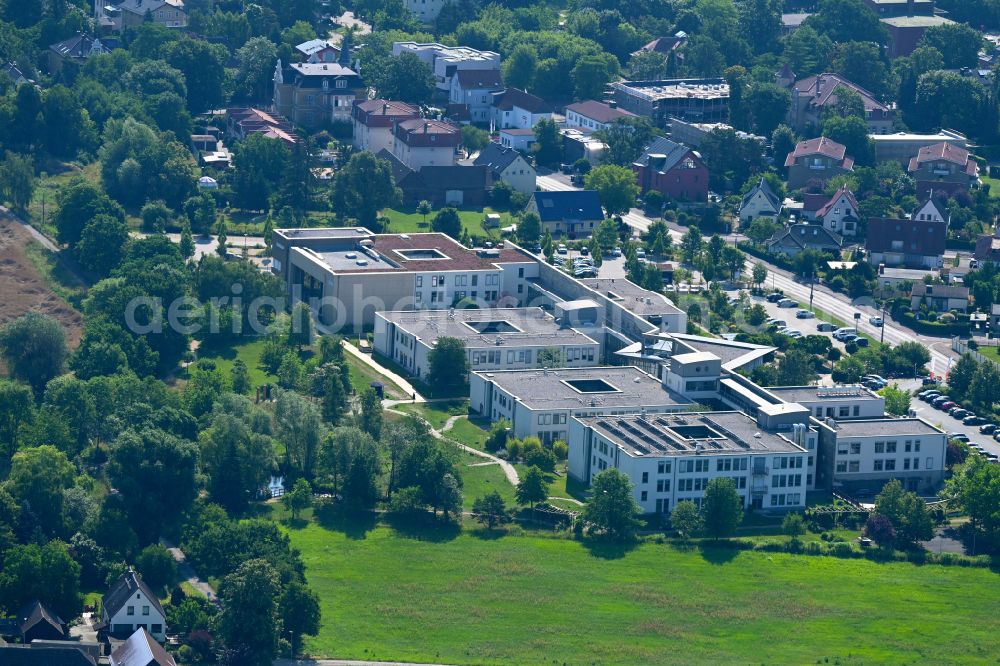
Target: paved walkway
(404, 386)
(185, 569)
(45, 241)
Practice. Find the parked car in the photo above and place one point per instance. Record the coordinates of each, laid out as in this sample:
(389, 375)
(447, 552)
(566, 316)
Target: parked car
(585, 250)
(841, 333)
(775, 297)
(805, 314)
(825, 327)
(958, 436)
(792, 333)
(847, 339)
(861, 341)
(972, 419)
(996, 435)
(958, 412)
(878, 377)
(945, 406)
(928, 381)
(940, 400)
(988, 428)
(617, 252)
(788, 303)
(875, 321)
(562, 249)
(640, 254)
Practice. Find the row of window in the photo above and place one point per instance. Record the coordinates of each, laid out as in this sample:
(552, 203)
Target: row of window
(854, 448)
(787, 499)
(787, 462)
(551, 419)
(843, 412)
(785, 480)
(490, 279)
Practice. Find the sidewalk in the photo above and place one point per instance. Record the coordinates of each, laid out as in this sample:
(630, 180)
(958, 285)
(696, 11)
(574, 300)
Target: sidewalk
(405, 386)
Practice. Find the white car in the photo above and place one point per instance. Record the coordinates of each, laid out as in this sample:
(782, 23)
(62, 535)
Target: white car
(617, 252)
(875, 321)
(805, 314)
(788, 303)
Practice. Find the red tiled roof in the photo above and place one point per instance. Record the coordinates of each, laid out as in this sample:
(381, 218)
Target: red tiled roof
(820, 146)
(946, 151)
(383, 112)
(427, 132)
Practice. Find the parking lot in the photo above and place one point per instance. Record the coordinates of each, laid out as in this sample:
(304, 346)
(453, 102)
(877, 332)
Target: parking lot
(949, 424)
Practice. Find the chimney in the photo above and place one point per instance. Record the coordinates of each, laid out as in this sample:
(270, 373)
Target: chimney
(426, 127)
(385, 108)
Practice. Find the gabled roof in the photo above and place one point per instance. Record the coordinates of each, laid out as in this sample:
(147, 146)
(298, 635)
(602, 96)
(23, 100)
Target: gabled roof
(447, 177)
(35, 613)
(807, 235)
(823, 90)
(311, 69)
(25, 655)
(844, 191)
(663, 154)
(821, 146)
(399, 170)
(763, 187)
(141, 650)
(666, 44)
(314, 46)
(78, 46)
(127, 585)
(479, 79)
(939, 291)
(505, 100)
(140, 7)
(813, 201)
(948, 152)
(918, 237)
(598, 111)
(496, 157)
(569, 205)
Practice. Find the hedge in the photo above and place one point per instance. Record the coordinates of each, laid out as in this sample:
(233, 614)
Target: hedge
(910, 320)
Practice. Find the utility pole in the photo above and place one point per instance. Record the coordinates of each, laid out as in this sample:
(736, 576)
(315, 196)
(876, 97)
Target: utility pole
(812, 282)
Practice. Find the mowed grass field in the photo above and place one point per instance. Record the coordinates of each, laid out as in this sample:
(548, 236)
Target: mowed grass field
(459, 598)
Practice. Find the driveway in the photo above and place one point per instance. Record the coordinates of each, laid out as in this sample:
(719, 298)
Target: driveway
(949, 424)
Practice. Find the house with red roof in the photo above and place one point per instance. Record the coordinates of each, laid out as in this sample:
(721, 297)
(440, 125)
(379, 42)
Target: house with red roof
(943, 167)
(816, 161)
(374, 119)
(812, 95)
(838, 213)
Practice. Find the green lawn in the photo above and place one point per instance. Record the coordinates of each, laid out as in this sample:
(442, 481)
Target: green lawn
(481, 480)
(990, 352)
(410, 221)
(437, 413)
(249, 353)
(468, 433)
(460, 598)
(994, 184)
(47, 188)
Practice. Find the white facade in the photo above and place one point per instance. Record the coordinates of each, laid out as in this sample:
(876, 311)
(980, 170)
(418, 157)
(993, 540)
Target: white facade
(478, 100)
(372, 139)
(758, 206)
(694, 375)
(138, 612)
(516, 118)
(520, 175)
(868, 453)
(577, 119)
(768, 479)
(444, 61)
(426, 11)
(834, 402)
(841, 216)
(417, 157)
(517, 140)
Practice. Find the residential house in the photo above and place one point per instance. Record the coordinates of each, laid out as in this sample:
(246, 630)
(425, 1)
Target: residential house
(242, 122)
(474, 89)
(426, 11)
(792, 22)
(840, 213)
(696, 100)
(129, 606)
(141, 650)
(943, 167)
(760, 202)
(74, 50)
(421, 142)
(15, 74)
(36, 621)
(667, 46)
(444, 61)
(816, 161)
(593, 116)
(931, 210)
(901, 280)
(316, 94)
(988, 247)
(442, 185)
(125, 15)
(508, 166)
(374, 120)
(910, 243)
(812, 95)
(573, 213)
(47, 655)
(518, 139)
(673, 170)
(798, 237)
(581, 144)
(995, 318)
(318, 51)
(939, 297)
(517, 109)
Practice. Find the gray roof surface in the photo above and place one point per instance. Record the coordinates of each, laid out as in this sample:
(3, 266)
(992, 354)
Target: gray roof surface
(496, 157)
(547, 389)
(673, 151)
(885, 427)
(663, 435)
(733, 353)
(141, 650)
(764, 187)
(24, 655)
(534, 327)
(632, 296)
(824, 393)
(128, 584)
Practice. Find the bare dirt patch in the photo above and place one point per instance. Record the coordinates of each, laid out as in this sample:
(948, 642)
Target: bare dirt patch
(23, 289)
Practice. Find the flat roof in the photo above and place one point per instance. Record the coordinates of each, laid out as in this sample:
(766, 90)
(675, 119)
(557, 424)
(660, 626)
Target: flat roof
(734, 354)
(333, 233)
(632, 297)
(782, 409)
(575, 388)
(676, 89)
(422, 253)
(695, 357)
(701, 433)
(849, 392)
(916, 21)
(495, 328)
(886, 428)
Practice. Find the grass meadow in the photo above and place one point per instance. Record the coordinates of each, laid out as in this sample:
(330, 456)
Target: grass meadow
(463, 597)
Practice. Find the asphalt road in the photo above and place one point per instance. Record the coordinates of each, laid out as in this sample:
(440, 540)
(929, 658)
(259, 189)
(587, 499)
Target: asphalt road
(949, 424)
(837, 305)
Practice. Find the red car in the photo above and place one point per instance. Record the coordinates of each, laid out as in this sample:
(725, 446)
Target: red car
(946, 406)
